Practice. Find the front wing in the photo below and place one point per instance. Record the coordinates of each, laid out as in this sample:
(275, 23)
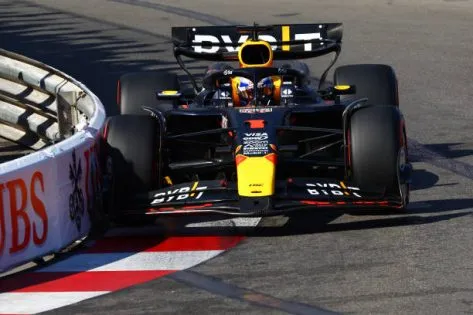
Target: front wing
(293, 194)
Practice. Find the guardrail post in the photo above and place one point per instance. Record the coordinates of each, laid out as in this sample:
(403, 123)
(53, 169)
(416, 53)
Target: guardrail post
(67, 114)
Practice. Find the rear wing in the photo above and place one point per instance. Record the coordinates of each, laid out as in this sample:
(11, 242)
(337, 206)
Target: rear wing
(290, 41)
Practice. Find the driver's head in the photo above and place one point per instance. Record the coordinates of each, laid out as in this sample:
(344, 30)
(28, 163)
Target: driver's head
(268, 91)
(242, 91)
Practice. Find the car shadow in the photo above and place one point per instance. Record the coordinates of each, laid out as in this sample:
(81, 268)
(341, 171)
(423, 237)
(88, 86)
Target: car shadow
(450, 150)
(322, 221)
(297, 223)
(300, 223)
(428, 212)
(442, 156)
(419, 152)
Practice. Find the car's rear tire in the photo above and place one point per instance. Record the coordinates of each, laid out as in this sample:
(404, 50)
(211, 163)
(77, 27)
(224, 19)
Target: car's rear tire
(376, 82)
(378, 150)
(139, 89)
(132, 159)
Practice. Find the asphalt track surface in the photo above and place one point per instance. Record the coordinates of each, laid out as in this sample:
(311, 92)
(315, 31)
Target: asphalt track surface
(420, 262)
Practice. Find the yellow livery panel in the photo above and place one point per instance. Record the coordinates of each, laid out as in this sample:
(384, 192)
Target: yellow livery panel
(256, 175)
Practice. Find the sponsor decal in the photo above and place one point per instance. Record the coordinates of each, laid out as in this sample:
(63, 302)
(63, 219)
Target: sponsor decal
(255, 143)
(27, 213)
(93, 180)
(332, 189)
(193, 192)
(210, 44)
(76, 198)
(255, 110)
(89, 199)
(287, 92)
(225, 95)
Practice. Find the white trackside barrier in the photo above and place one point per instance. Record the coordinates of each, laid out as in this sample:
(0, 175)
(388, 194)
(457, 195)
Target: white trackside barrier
(46, 197)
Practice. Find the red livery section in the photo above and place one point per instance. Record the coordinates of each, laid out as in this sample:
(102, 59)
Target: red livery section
(34, 229)
(352, 203)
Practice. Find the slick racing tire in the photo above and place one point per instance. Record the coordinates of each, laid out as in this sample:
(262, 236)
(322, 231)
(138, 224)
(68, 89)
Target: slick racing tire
(138, 89)
(378, 150)
(132, 157)
(376, 82)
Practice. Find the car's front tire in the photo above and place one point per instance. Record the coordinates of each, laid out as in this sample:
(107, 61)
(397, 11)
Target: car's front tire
(378, 150)
(132, 159)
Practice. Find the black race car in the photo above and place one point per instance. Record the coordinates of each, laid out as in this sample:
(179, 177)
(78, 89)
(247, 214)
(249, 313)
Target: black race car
(256, 138)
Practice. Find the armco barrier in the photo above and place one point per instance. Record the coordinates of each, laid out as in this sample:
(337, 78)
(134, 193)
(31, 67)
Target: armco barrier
(46, 197)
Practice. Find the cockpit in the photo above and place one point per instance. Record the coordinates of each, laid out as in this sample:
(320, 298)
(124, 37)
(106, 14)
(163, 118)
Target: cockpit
(255, 87)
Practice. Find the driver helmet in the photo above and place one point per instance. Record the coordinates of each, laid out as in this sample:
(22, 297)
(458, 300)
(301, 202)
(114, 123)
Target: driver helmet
(266, 90)
(243, 91)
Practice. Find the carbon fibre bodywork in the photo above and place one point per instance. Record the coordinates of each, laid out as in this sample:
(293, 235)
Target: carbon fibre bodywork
(304, 148)
(264, 158)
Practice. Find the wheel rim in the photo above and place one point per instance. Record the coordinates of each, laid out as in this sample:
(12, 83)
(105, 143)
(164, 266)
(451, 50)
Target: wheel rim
(401, 169)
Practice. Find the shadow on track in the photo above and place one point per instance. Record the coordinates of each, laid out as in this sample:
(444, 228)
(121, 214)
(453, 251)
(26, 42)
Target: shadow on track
(307, 222)
(145, 237)
(90, 50)
(450, 150)
(423, 179)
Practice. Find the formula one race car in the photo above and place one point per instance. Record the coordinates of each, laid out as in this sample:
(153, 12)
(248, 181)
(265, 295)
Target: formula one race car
(257, 139)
